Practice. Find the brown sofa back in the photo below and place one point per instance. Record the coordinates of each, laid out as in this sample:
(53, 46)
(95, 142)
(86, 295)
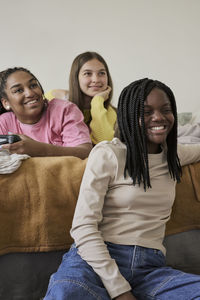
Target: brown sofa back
(37, 203)
(186, 209)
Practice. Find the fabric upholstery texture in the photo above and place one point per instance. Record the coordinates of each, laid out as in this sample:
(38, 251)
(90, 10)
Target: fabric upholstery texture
(186, 209)
(42, 194)
(37, 203)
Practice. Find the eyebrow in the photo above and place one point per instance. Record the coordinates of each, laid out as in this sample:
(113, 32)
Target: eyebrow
(19, 84)
(103, 69)
(166, 104)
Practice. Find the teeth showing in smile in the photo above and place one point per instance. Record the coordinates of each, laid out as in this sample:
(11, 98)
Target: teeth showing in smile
(95, 86)
(158, 128)
(31, 102)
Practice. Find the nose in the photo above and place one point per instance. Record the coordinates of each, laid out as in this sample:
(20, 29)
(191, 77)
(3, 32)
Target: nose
(157, 116)
(29, 92)
(95, 77)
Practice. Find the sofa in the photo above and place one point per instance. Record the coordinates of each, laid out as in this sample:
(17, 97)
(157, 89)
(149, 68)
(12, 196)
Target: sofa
(37, 203)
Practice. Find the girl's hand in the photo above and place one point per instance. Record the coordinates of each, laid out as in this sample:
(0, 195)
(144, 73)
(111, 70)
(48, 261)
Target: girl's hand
(126, 296)
(25, 146)
(105, 94)
(35, 149)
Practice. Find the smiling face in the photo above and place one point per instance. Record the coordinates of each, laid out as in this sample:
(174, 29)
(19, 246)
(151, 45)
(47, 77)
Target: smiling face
(158, 119)
(24, 97)
(92, 78)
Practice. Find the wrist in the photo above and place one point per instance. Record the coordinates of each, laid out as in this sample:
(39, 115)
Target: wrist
(97, 104)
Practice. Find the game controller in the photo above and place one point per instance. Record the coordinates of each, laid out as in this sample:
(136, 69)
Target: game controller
(9, 138)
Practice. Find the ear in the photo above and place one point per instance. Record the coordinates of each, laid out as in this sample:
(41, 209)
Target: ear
(5, 103)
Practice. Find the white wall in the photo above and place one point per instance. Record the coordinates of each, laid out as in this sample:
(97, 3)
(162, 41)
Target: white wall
(138, 38)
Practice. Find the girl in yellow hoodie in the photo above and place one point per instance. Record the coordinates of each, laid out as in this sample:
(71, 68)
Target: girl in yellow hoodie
(90, 88)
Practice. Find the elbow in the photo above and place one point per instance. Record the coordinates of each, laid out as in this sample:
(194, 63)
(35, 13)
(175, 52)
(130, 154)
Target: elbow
(85, 150)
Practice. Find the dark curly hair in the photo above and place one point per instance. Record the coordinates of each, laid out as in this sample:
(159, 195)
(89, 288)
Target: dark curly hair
(3, 80)
(132, 130)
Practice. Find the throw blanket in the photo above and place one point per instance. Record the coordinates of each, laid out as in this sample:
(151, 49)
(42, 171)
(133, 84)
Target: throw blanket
(186, 209)
(189, 128)
(37, 204)
(9, 163)
(189, 134)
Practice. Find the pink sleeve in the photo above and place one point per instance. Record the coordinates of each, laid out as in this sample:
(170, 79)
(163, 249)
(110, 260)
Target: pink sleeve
(74, 131)
(2, 129)
(8, 123)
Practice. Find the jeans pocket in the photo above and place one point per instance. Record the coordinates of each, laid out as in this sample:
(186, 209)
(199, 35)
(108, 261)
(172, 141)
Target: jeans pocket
(158, 258)
(159, 253)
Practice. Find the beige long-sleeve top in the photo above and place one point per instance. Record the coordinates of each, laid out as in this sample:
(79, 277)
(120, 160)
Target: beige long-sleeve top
(111, 209)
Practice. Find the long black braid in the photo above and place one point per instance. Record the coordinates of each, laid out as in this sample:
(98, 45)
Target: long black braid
(130, 115)
(3, 80)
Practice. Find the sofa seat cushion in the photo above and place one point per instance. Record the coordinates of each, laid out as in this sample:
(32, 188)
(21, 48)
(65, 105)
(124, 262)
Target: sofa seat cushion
(183, 251)
(25, 276)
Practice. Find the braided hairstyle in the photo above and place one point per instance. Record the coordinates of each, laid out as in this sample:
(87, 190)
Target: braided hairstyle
(132, 131)
(3, 80)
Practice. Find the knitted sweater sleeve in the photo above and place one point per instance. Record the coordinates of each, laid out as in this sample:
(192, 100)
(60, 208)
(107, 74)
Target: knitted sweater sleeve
(48, 95)
(103, 121)
(188, 153)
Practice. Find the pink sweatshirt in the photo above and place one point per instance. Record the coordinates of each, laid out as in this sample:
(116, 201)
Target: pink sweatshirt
(61, 124)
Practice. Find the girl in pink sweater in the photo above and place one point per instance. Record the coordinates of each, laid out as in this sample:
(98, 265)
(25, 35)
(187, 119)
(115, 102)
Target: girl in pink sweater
(46, 129)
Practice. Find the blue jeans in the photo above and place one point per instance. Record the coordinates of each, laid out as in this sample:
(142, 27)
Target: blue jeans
(143, 268)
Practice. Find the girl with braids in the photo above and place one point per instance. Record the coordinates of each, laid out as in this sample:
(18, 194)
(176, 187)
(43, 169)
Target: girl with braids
(46, 129)
(125, 200)
(90, 88)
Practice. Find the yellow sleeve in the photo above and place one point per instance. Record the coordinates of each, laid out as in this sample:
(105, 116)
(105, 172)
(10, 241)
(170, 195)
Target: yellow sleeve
(103, 121)
(49, 96)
